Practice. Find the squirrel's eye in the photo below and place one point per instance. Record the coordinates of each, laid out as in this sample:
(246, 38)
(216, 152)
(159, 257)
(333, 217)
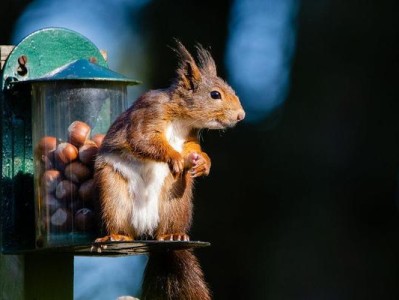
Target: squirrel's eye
(216, 95)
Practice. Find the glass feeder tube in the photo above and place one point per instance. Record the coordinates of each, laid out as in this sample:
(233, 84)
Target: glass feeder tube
(70, 117)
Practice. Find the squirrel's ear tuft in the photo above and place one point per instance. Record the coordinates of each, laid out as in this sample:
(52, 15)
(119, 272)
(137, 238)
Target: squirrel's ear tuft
(206, 62)
(188, 72)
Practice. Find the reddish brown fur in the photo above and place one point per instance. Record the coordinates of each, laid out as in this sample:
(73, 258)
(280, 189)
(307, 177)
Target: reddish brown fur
(113, 185)
(179, 277)
(140, 135)
(175, 207)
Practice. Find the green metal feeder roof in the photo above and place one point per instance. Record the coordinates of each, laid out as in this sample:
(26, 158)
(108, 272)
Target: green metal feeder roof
(81, 70)
(57, 54)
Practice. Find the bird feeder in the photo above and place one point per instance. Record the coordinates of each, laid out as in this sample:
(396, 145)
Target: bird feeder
(59, 99)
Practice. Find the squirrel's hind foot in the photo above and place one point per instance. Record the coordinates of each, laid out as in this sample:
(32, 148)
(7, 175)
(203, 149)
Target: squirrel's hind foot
(113, 237)
(173, 237)
(98, 247)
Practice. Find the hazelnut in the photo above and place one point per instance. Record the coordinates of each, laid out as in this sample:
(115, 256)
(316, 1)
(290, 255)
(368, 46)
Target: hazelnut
(78, 133)
(75, 205)
(50, 180)
(59, 165)
(84, 219)
(66, 190)
(88, 152)
(98, 139)
(48, 160)
(65, 153)
(61, 220)
(44, 151)
(51, 203)
(87, 191)
(77, 172)
(46, 145)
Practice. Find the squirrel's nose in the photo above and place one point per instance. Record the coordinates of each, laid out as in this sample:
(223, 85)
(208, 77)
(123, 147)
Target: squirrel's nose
(241, 115)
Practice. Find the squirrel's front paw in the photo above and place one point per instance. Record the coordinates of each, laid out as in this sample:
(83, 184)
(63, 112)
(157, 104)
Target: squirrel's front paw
(198, 163)
(176, 164)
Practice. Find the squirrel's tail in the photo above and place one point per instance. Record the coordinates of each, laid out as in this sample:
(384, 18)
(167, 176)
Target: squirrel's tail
(174, 275)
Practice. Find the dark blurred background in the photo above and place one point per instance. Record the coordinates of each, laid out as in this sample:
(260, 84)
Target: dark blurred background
(301, 202)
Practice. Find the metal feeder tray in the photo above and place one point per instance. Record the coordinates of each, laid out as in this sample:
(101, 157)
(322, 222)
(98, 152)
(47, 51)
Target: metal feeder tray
(124, 248)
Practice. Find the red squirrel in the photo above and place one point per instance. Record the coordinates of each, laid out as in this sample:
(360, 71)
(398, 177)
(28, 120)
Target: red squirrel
(148, 161)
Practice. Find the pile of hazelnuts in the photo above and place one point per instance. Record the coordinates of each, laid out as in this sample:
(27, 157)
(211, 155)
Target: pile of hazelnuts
(67, 195)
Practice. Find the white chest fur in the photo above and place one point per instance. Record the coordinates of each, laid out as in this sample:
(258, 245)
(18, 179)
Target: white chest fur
(176, 133)
(145, 180)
